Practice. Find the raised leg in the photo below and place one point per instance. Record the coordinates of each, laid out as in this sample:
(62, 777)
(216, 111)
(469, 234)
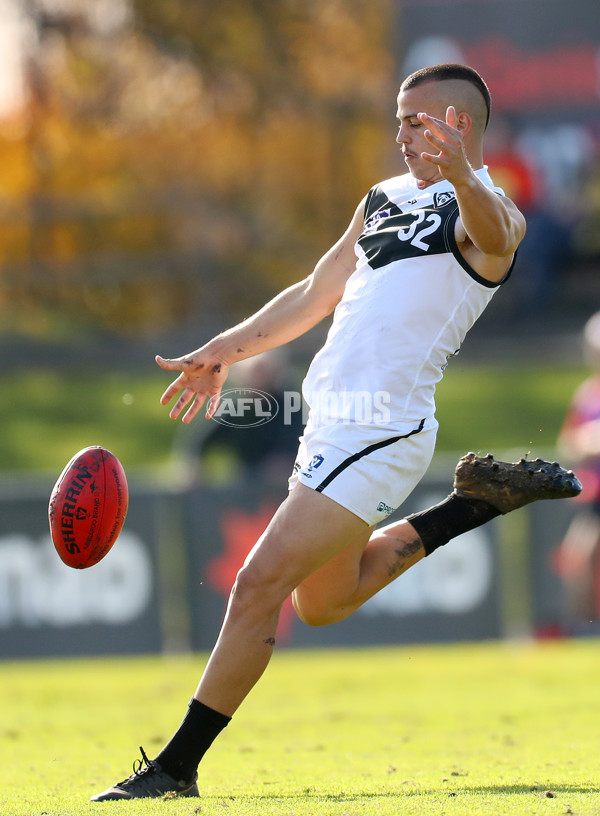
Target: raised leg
(345, 583)
(483, 489)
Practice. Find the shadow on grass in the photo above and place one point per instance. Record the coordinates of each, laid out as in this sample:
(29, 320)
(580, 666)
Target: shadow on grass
(509, 790)
(453, 790)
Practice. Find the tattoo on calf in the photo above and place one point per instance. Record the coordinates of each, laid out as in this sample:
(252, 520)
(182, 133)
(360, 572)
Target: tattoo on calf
(269, 641)
(408, 549)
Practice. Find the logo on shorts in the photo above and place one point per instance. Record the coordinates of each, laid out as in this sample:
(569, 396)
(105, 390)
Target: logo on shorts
(314, 463)
(382, 507)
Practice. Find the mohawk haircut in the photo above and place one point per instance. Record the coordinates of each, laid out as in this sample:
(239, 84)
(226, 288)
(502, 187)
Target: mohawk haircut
(450, 70)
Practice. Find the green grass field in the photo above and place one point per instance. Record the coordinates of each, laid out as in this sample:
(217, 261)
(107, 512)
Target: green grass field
(496, 728)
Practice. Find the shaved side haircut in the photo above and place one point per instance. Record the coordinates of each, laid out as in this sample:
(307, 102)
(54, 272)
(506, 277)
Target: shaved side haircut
(450, 70)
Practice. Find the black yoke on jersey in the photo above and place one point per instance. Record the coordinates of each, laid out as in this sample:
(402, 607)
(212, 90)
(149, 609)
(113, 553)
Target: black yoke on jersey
(392, 234)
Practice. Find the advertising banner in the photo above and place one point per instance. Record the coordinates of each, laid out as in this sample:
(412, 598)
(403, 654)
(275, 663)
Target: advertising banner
(453, 595)
(166, 582)
(537, 56)
(49, 609)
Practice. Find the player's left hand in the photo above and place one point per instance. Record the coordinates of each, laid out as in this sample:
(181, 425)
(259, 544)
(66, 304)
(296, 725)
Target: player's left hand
(451, 160)
(202, 377)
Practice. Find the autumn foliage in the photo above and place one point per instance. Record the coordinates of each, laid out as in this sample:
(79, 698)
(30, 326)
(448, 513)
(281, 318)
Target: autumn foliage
(191, 163)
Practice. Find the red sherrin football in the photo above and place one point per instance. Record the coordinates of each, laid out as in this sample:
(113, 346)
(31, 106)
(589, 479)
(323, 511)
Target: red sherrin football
(88, 507)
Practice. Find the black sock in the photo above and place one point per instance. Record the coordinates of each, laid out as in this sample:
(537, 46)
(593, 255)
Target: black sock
(200, 727)
(448, 519)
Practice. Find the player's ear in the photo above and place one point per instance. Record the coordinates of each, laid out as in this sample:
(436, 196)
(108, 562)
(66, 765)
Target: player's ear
(464, 123)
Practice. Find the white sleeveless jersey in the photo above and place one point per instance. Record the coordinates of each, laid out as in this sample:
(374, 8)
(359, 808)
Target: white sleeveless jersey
(405, 310)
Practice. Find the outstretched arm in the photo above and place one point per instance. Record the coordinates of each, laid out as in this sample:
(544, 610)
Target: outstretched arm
(290, 314)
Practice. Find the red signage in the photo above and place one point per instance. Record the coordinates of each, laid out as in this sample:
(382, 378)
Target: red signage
(559, 75)
(537, 56)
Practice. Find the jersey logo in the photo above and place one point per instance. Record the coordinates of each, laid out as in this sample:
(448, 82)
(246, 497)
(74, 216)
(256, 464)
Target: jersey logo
(372, 223)
(440, 199)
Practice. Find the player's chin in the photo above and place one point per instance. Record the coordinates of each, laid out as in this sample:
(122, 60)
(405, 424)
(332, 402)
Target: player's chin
(415, 166)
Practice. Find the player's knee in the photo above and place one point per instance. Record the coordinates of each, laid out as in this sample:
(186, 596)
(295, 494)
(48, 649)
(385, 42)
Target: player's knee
(255, 590)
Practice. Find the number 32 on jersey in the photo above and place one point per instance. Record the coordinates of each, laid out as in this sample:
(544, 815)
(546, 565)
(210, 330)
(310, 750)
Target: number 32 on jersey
(422, 226)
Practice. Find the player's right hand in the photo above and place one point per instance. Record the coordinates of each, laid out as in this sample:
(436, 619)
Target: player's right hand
(446, 137)
(202, 376)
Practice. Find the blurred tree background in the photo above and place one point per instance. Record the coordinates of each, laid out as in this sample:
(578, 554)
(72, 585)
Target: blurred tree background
(178, 161)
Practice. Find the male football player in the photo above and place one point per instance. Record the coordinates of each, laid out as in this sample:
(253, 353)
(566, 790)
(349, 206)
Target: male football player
(422, 257)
